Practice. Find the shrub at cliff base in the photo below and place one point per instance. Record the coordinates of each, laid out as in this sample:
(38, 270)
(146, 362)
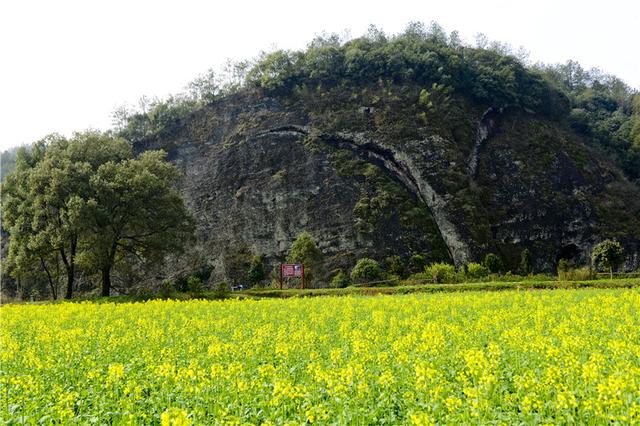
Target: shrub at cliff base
(366, 270)
(441, 273)
(476, 271)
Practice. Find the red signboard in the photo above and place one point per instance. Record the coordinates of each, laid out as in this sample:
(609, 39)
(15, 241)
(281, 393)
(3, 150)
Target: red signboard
(292, 270)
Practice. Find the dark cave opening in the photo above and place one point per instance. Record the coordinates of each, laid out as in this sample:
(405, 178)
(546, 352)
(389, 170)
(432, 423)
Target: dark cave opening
(569, 252)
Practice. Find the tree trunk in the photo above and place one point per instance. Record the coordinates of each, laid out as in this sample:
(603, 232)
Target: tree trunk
(106, 270)
(70, 278)
(52, 285)
(106, 281)
(70, 265)
(611, 271)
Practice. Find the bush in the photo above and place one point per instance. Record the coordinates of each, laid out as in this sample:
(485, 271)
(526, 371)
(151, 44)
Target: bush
(340, 280)
(395, 266)
(493, 263)
(195, 285)
(563, 269)
(578, 274)
(366, 270)
(167, 289)
(441, 272)
(583, 274)
(417, 262)
(476, 271)
(222, 290)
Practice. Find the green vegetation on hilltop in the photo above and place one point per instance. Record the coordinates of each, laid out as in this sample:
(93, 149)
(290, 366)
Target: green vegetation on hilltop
(604, 110)
(425, 56)
(436, 71)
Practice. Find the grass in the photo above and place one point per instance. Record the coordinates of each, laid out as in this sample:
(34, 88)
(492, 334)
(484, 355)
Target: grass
(437, 288)
(405, 287)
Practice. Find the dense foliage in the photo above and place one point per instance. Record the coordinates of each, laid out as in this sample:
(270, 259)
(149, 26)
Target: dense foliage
(366, 270)
(378, 69)
(86, 203)
(441, 272)
(425, 56)
(543, 357)
(394, 265)
(493, 263)
(603, 109)
(304, 250)
(340, 280)
(608, 255)
(476, 271)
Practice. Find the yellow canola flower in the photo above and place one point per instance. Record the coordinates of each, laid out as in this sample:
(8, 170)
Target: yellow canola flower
(422, 419)
(175, 417)
(567, 356)
(386, 379)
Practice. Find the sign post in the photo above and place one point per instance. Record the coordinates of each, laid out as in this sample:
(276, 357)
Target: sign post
(292, 270)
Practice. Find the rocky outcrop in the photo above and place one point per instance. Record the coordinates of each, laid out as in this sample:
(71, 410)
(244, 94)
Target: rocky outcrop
(258, 171)
(486, 126)
(401, 166)
(267, 187)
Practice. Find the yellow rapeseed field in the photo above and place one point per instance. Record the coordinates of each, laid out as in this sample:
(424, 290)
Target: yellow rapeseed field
(541, 357)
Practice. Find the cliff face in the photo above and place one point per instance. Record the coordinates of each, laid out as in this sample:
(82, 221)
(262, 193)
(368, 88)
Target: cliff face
(260, 177)
(369, 181)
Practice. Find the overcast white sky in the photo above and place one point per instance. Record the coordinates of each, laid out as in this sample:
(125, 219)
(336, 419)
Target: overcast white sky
(65, 65)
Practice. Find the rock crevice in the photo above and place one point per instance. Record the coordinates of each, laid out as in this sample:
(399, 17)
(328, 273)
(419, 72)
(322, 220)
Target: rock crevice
(399, 166)
(486, 126)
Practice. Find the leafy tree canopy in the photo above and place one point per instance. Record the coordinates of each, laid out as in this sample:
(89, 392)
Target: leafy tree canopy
(45, 200)
(86, 201)
(366, 270)
(304, 250)
(608, 255)
(493, 263)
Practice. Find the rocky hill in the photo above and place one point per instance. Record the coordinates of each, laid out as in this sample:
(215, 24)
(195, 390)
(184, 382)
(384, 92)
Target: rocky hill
(403, 145)
(406, 145)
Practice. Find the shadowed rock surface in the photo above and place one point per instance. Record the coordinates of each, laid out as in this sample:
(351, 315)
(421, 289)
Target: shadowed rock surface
(259, 170)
